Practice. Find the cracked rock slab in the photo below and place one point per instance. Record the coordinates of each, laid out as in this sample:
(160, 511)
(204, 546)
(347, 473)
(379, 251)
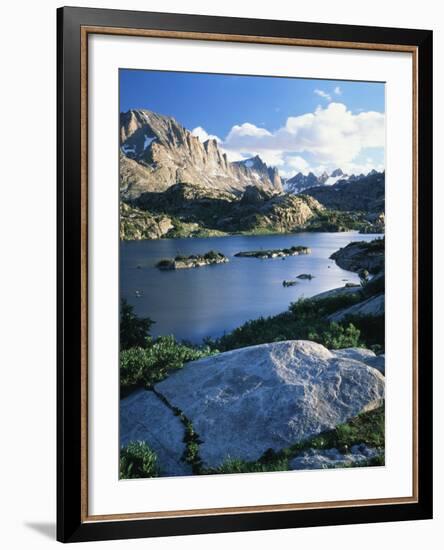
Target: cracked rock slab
(245, 401)
(145, 417)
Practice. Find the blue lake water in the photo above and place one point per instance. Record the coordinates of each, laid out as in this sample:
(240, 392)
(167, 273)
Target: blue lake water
(208, 301)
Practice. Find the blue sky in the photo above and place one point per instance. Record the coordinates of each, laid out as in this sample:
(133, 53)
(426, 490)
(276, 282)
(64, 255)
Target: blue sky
(293, 123)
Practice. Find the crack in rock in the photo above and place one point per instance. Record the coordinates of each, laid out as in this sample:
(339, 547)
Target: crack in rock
(145, 417)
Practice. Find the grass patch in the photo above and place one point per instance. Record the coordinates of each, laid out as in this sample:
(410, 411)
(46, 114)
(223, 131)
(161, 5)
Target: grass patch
(137, 460)
(142, 367)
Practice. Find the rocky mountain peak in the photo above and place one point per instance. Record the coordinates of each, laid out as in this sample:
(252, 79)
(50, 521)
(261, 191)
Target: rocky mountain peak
(337, 173)
(157, 152)
(323, 177)
(262, 170)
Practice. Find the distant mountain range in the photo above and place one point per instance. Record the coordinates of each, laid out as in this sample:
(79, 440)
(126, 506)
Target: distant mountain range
(300, 182)
(172, 184)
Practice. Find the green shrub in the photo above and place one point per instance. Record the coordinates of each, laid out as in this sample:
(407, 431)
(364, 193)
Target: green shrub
(144, 367)
(137, 460)
(372, 329)
(133, 330)
(337, 336)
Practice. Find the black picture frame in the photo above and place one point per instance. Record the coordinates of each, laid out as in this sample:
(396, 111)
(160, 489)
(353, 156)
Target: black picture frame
(71, 523)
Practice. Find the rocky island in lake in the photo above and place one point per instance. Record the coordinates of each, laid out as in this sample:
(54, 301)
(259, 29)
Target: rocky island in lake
(277, 253)
(194, 260)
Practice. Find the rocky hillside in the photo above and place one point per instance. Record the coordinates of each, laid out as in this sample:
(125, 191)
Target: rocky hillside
(193, 210)
(158, 152)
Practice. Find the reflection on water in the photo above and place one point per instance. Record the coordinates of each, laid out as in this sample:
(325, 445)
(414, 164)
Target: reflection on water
(211, 300)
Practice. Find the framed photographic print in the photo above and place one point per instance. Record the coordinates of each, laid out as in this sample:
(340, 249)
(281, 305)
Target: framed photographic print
(245, 265)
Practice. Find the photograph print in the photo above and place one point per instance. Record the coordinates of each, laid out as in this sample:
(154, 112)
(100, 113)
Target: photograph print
(252, 288)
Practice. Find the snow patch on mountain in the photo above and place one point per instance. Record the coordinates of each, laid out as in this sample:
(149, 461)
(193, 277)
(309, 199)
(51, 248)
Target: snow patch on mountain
(148, 141)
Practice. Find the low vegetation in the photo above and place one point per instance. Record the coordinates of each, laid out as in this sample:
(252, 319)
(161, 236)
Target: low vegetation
(144, 360)
(137, 460)
(142, 367)
(133, 329)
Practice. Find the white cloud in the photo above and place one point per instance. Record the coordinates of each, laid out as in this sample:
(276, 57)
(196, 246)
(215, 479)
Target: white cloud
(298, 164)
(238, 132)
(332, 136)
(328, 138)
(337, 90)
(203, 135)
(322, 94)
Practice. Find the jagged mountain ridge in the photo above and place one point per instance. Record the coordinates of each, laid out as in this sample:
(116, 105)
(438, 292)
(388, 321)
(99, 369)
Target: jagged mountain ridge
(299, 182)
(158, 152)
(363, 193)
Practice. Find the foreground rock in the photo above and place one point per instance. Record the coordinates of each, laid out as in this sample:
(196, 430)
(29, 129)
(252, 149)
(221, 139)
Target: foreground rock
(363, 355)
(331, 458)
(144, 417)
(245, 401)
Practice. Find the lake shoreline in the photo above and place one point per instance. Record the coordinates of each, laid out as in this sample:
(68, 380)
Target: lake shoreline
(194, 304)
